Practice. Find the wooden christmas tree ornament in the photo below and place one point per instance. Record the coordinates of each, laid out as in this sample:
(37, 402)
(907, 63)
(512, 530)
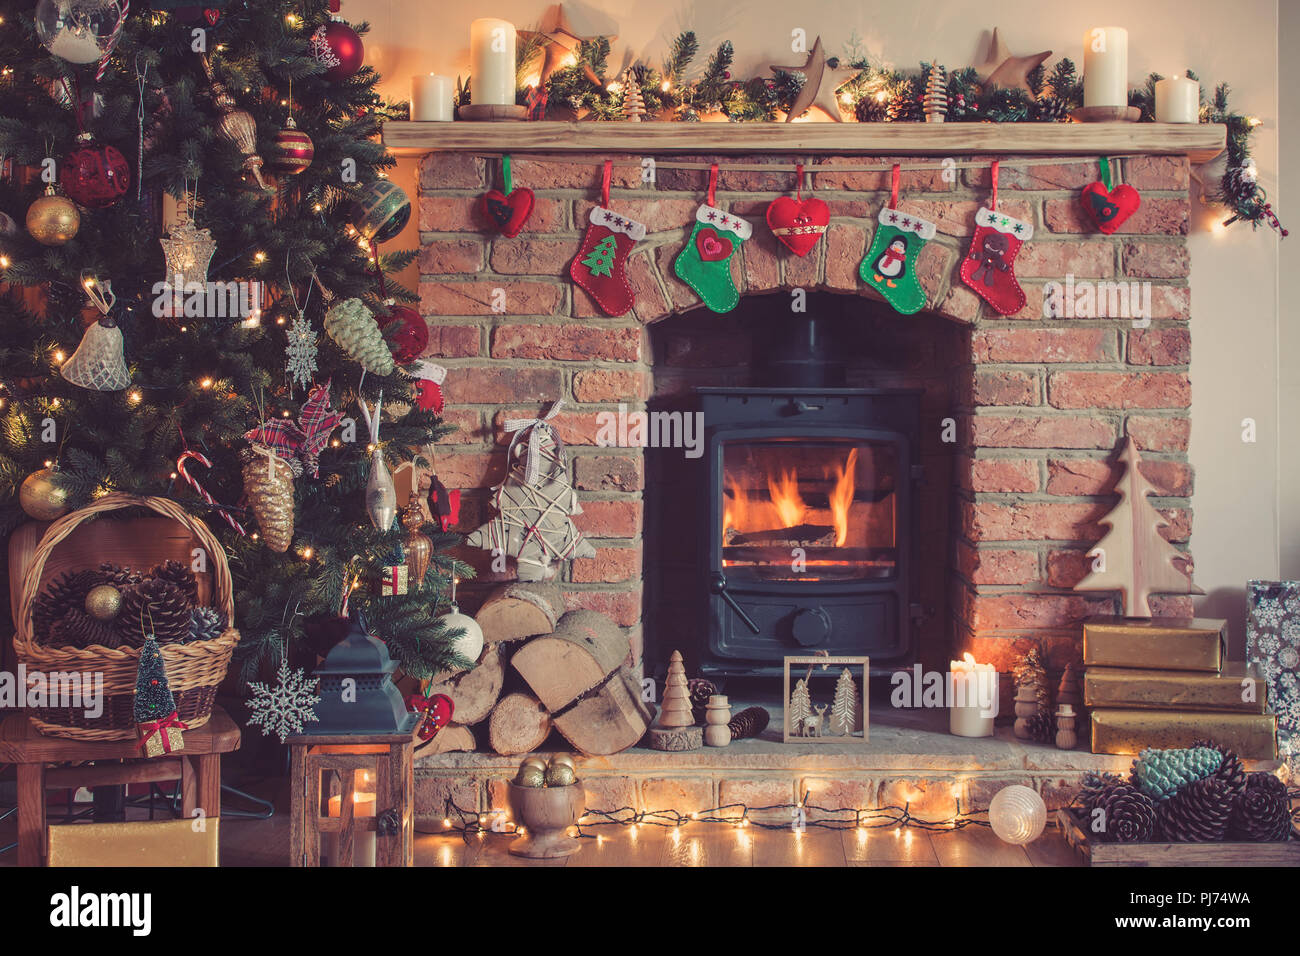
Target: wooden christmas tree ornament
(675, 728)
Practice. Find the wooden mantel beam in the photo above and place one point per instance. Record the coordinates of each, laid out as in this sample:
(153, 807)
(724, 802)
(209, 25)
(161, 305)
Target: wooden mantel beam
(1200, 142)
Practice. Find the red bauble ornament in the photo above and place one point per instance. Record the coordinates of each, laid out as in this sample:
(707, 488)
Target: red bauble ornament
(1109, 208)
(292, 150)
(337, 46)
(94, 176)
(412, 336)
(798, 223)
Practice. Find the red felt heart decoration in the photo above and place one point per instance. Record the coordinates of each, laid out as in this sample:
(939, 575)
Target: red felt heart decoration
(799, 223)
(435, 713)
(508, 213)
(212, 16)
(711, 246)
(1109, 209)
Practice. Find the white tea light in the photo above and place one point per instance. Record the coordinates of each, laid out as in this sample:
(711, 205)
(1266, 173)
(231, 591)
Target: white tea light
(1017, 815)
(491, 62)
(1105, 67)
(1178, 100)
(431, 98)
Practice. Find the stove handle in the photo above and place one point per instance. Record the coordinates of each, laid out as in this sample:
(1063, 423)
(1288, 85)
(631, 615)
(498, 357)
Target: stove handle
(718, 586)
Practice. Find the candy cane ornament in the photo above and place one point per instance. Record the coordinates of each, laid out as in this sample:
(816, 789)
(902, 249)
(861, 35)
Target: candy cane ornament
(200, 490)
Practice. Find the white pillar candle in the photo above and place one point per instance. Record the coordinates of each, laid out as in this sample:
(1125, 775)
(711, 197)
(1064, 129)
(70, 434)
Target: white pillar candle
(1178, 100)
(363, 841)
(492, 62)
(431, 98)
(1105, 67)
(973, 698)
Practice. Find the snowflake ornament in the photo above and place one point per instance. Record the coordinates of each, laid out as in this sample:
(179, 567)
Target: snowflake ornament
(284, 708)
(300, 353)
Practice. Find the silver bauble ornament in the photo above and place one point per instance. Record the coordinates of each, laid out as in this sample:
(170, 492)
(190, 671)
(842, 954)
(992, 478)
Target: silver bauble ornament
(79, 31)
(381, 493)
(470, 643)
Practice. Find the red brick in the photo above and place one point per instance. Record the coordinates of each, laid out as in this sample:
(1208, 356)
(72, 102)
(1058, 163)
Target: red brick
(611, 385)
(465, 214)
(762, 263)
(1157, 260)
(650, 302)
(493, 385)
(681, 295)
(1172, 605)
(452, 341)
(609, 472)
(1060, 258)
(933, 266)
(1000, 475)
(1157, 172)
(451, 171)
(478, 298)
(623, 607)
(845, 247)
(827, 176)
(1004, 387)
(478, 470)
(1180, 524)
(801, 272)
(657, 215)
(1042, 345)
(609, 566)
(609, 519)
(1159, 347)
(1002, 652)
(538, 257)
(446, 257)
(1033, 307)
(469, 426)
(1065, 569)
(537, 172)
(566, 343)
(995, 431)
(1031, 521)
(1014, 611)
(1091, 476)
(1155, 217)
(996, 565)
(961, 303)
(1159, 434)
(574, 428)
(1072, 176)
(729, 179)
(1119, 390)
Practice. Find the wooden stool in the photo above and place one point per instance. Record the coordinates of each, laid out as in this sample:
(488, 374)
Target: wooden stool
(390, 757)
(197, 767)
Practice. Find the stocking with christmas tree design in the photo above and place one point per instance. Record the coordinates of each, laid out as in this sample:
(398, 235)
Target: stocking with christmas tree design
(600, 267)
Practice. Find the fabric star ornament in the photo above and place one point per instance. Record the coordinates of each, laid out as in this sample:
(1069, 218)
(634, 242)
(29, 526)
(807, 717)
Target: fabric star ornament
(300, 443)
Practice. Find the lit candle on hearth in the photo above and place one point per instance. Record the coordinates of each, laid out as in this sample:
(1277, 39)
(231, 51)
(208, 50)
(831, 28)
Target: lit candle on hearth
(1105, 67)
(431, 98)
(1178, 100)
(363, 840)
(972, 697)
(492, 62)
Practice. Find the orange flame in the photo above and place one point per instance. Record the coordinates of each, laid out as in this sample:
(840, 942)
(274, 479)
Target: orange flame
(841, 497)
(784, 492)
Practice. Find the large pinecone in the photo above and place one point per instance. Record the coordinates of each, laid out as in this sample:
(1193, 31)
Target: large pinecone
(1128, 815)
(1231, 771)
(1042, 727)
(206, 624)
(78, 629)
(1262, 811)
(65, 593)
(120, 578)
(1197, 813)
(1162, 773)
(750, 722)
(1050, 109)
(700, 690)
(154, 606)
(904, 109)
(870, 110)
(1094, 786)
(179, 575)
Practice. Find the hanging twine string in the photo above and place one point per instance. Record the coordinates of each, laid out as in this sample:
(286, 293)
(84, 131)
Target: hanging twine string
(139, 113)
(536, 429)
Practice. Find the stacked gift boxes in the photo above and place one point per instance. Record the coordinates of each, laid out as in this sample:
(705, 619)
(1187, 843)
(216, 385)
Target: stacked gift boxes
(1164, 683)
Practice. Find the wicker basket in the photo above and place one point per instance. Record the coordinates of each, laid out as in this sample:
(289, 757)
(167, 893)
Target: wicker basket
(193, 670)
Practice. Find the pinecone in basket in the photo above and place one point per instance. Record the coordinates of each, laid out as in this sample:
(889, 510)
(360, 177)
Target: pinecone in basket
(64, 593)
(1162, 773)
(155, 607)
(1261, 812)
(1127, 815)
(1042, 727)
(120, 578)
(1197, 812)
(1231, 771)
(206, 624)
(700, 690)
(179, 575)
(1051, 109)
(78, 629)
(750, 722)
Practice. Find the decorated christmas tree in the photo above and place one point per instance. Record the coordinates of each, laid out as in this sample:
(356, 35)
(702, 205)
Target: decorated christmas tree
(154, 709)
(261, 123)
(601, 259)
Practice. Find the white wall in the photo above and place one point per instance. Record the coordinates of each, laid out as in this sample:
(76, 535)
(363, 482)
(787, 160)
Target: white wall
(1235, 368)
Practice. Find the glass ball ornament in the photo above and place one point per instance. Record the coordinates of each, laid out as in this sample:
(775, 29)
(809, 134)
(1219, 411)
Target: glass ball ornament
(1017, 815)
(338, 47)
(531, 775)
(43, 495)
(291, 149)
(411, 337)
(470, 643)
(79, 31)
(380, 211)
(560, 775)
(94, 176)
(53, 219)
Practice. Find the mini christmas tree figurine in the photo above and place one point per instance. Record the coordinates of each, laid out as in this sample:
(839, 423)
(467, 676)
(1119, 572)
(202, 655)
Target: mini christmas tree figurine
(676, 707)
(1133, 558)
(844, 705)
(1068, 691)
(1029, 672)
(601, 259)
(633, 101)
(157, 722)
(936, 95)
(799, 708)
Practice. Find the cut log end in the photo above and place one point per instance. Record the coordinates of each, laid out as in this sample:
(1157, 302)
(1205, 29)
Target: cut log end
(519, 610)
(519, 724)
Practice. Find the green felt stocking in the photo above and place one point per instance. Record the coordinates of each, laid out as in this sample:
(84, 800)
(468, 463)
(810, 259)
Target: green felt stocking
(705, 261)
(890, 263)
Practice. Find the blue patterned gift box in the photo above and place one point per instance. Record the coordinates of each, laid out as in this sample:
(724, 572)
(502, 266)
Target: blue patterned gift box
(1273, 642)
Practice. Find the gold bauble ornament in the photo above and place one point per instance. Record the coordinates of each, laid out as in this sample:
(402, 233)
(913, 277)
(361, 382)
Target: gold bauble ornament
(531, 776)
(268, 485)
(53, 219)
(43, 495)
(560, 775)
(103, 602)
(564, 759)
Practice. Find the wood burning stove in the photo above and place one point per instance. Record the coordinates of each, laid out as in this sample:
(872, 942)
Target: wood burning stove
(809, 524)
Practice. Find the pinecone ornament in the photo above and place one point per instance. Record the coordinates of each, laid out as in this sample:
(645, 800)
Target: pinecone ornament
(904, 108)
(65, 593)
(750, 722)
(1161, 773)
(1231, 771)
(1051, 109)
(269, 490)
(206, 624)
(1029, 669)
(1042, 727)
(1197, 813)
(78, 629)
(1261, 812)
(1127, 815)
(700, 690)
(120, 578)
(154, 606)
(870, 110)
(179, 575)
(353, 327)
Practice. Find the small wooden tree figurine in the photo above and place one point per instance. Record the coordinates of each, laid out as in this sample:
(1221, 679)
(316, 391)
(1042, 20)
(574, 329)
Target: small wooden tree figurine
(1029, 672)
(156, 721)
(1068, 691)
(1132, 557)
(675, 727)
(844, 705)
(936, 95)
(633, 101)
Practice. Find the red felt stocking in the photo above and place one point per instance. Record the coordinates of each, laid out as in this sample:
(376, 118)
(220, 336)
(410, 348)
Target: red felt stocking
(600, 267)
(989, 266)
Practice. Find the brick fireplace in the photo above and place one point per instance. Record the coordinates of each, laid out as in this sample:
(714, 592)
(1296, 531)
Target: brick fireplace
(1020, 414)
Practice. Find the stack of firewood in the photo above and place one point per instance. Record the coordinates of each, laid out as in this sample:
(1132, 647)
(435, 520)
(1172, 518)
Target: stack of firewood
(543, 669)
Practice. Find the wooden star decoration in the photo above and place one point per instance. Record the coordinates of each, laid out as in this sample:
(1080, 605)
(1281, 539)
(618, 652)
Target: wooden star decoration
(1000, 68)
(819, 86)
(559, 43)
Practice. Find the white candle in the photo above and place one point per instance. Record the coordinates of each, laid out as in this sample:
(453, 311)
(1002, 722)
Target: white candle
(1178, 100)
(492, 62)
(1105, 67)
(431, 98)
(973, 697)
(363, 841)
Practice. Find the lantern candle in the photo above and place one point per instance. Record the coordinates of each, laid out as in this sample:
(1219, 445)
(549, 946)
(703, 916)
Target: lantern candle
(431, 98)
(492, 62)
(972, 697)
(1105, 67)
(1178, 100)
(363, 841)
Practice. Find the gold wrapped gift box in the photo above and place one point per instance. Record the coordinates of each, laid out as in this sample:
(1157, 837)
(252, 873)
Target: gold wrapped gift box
(1115, 731)
(135, 843)
(1239, 688)
(1162, 643)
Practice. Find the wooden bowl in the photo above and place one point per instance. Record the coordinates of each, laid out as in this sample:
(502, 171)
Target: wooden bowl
(546, 814)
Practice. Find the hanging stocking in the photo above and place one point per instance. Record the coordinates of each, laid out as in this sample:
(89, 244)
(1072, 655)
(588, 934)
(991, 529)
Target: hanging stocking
(705, 261)
(890, 263)
(600, 267)
(989, 266)
(509, 210)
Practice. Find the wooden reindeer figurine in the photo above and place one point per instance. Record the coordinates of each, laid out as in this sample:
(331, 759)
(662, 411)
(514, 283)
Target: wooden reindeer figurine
(813, 726)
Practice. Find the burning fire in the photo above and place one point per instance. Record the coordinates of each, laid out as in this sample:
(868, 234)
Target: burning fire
(841, 497)
(784, 491)
(784, 506)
